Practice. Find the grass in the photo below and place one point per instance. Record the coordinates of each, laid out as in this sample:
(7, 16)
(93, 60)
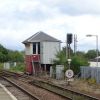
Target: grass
(1, 65)
(18, 68)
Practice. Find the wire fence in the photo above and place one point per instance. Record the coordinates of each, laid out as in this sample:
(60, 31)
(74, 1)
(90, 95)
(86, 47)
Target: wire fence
(90, 72)
(86, 73)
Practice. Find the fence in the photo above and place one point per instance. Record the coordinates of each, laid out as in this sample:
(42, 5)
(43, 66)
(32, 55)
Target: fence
(58, 73)
(90, 72)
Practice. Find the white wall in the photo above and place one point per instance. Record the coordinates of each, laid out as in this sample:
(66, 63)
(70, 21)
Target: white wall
(94, 64)
(7, 65)
(48, 51)
(29, 49)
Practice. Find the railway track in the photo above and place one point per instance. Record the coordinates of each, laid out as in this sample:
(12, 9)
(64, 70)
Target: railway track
(64, 92)
(18, 93)
(41, 93)
(73, 95)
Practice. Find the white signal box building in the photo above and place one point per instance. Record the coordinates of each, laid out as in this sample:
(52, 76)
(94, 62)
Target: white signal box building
(40, 50)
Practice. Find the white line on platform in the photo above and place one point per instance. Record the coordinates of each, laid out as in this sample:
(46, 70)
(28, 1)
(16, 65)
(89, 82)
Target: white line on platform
(8, 92)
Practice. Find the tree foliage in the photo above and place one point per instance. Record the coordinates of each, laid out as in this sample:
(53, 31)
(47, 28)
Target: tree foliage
(80, 53)
(3, 54)
(61, 58)
(16, 56)
(10, 55)
(91, 54)
(77, 60)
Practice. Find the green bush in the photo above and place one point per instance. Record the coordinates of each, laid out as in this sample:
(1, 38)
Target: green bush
(78, 61)
(19, 68)
(1, 65)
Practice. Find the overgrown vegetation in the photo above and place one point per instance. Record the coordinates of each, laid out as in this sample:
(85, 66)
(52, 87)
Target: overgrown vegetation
(10, 55)
(1, 65)
(91, 81)
(18, 68)
(78, 59)
(3, 54)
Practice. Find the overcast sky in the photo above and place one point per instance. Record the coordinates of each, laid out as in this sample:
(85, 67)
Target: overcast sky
(19, 19)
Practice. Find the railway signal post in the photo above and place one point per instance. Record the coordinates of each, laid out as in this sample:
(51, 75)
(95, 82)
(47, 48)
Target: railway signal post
(69, 73)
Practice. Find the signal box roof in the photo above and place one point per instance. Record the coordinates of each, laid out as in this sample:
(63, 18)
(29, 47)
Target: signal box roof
(39, 37)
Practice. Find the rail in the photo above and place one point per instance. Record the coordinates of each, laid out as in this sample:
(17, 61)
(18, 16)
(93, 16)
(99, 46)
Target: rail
(22, 89)
(64, 92)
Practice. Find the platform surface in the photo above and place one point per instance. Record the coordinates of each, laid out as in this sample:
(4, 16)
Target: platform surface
(5, 94)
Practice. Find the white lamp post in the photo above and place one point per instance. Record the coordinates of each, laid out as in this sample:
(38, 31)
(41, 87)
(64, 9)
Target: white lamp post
(89, 35)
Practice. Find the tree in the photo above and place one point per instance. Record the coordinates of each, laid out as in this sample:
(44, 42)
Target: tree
(91, 54)
(60, 58)
(10, 55)
(77, 61)
(3, 54)
(16, 56)
(80, 53)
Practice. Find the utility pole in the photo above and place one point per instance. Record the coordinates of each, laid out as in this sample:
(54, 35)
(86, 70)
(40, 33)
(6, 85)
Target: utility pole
(90, 35)
(66, 48)
(75, 44)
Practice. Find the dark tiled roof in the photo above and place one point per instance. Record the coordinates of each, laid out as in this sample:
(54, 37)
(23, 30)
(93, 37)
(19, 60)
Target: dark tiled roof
(40, 36)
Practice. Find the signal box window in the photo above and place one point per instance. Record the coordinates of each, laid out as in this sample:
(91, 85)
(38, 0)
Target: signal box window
(36, 48)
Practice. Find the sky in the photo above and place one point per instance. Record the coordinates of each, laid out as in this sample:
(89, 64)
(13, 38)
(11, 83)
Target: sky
(20, 19)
